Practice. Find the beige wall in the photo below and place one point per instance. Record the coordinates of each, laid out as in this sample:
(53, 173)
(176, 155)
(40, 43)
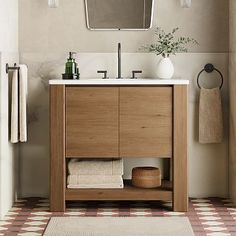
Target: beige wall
(9, 26)
(46, 35)
(8, 54)
(44, 29)
(232, 95)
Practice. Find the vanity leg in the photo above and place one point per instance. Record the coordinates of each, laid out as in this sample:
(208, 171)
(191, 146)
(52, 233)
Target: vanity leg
(180, 183)
(57, 141)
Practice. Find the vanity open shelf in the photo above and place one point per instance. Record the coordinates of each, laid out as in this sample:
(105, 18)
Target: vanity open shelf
(145, 119)
(129, 192)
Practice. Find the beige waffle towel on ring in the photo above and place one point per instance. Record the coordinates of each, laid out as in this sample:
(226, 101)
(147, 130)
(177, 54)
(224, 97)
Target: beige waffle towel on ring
(210, 116)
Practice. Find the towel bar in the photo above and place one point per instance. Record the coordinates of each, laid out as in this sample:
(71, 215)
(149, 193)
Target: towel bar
(11, 67)
(209, 68)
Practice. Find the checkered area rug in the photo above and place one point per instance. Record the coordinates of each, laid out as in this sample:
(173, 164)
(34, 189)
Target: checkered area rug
(211, 216)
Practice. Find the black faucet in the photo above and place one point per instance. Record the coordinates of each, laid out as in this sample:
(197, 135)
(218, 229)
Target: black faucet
(119, 61)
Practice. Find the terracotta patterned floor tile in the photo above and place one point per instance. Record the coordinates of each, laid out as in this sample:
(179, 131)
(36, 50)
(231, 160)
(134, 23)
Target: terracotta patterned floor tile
(211, 216)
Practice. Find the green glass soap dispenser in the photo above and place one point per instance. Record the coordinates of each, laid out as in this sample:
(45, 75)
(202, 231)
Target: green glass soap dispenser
(71, 68)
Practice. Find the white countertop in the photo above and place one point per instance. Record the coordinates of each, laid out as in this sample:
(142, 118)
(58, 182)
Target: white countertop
(144, 81)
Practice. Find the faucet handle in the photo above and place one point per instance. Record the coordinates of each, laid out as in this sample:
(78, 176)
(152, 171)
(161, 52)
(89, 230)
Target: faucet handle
(135, 72)
(104, 72)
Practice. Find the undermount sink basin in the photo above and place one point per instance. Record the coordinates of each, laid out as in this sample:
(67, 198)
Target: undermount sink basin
(123, 78)
(114, 79)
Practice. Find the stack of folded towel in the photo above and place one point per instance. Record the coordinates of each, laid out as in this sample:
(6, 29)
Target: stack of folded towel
(95, 173)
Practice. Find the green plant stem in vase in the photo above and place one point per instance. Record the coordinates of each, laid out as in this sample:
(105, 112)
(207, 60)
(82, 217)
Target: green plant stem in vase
(167, 44)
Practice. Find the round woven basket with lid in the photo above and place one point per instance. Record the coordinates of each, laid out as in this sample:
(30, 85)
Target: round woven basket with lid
(146, 177)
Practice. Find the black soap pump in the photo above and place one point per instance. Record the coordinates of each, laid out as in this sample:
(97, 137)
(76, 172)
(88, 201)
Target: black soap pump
(71, 68)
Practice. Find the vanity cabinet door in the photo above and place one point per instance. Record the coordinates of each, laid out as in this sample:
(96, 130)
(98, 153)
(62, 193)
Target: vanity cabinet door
(92, 121)
(146, 121)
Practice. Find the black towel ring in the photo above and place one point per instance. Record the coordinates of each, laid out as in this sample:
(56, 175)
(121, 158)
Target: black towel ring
(210, 68)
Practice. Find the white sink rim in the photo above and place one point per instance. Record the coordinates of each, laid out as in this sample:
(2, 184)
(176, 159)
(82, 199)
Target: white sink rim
(114, 81)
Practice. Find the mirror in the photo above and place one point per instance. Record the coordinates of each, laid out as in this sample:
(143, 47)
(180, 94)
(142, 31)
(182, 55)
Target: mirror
(119, 14)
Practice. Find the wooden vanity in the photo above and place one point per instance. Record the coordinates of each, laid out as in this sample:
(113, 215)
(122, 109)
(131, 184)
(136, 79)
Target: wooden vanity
(119, 119)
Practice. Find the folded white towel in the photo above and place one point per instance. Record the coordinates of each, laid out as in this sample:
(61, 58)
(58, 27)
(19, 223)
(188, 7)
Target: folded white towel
(96, 186)
(95, 181)
(19, 105)
(96, 167)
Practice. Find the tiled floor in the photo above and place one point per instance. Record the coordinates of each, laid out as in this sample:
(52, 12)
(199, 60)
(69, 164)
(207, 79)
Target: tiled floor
(211, 216)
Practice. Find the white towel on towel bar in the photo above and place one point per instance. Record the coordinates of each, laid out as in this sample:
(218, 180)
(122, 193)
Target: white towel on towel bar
(23, 102)
(14, 107)
(19, 105)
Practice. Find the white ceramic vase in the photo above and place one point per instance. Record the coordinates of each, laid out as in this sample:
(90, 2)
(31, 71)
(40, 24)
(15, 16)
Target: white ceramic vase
(165, 68)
